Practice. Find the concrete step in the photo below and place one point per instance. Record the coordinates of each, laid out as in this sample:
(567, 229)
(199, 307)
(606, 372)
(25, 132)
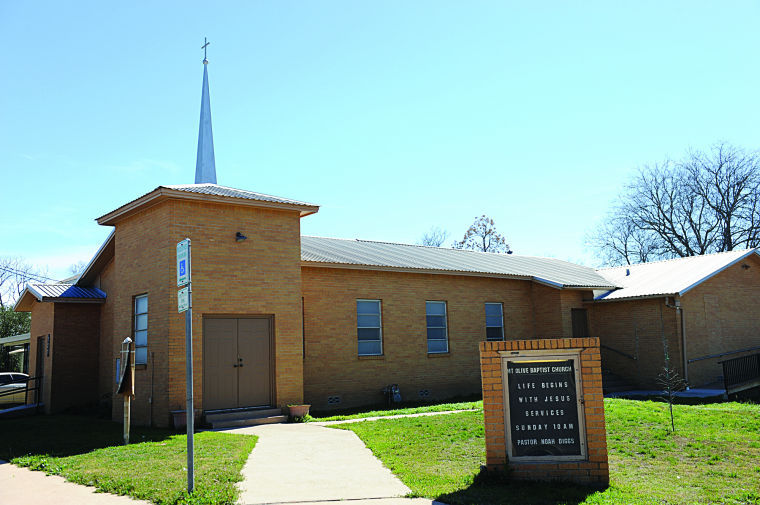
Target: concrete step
(214, 416)
(251, 421)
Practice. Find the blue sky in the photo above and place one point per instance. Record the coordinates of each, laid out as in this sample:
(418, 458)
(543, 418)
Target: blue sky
(393, 116)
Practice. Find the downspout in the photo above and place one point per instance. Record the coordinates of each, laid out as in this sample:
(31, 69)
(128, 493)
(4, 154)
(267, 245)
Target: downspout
(679, 310)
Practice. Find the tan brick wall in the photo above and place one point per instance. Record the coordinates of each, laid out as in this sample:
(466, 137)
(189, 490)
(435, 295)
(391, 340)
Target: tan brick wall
(259, 276)
(75, 355)
(722, 315)
(42, 326)
(332, 366)
(595, 469)
(143, 264)
(546, 308)
(636, 328)
(106, 358)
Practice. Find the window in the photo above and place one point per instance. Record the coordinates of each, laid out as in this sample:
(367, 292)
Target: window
(494, 321)
(368, 327)
(141, 330)
(437, 336)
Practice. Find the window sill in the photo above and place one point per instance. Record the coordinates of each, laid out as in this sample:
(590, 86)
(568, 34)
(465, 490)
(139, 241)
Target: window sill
(439, 354)
(371, 357)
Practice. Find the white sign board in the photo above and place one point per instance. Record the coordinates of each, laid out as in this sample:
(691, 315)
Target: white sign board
(183, 262)
(183, 299)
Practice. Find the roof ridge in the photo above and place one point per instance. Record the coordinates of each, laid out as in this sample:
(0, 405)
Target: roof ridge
(206, 184)
(679, 258)
(469, 251)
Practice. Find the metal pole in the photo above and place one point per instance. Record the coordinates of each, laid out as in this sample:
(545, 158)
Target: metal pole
(189, 409)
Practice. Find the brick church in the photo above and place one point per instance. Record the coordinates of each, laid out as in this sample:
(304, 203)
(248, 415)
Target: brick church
(280, 318)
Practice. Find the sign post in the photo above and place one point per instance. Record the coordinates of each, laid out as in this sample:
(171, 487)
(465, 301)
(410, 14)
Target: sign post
(185, 304)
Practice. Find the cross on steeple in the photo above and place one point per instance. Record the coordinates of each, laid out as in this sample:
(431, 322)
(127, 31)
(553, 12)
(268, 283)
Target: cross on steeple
(205, 44)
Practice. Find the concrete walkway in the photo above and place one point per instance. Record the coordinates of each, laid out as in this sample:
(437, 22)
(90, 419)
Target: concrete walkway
(21, 485)
(304, 463)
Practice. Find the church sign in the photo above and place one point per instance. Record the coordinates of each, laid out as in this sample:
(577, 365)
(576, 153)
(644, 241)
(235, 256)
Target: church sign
(543, 402)
(543, 409)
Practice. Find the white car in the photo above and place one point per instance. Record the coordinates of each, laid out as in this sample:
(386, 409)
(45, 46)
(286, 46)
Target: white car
(12, 388)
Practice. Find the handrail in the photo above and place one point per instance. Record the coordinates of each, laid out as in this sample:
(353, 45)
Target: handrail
(27, 389)
(720, 355)
(624, 354)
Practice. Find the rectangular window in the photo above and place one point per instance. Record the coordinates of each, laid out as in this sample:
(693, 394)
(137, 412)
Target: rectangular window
(369, 329)
(141, 330)
(437, 334)
(494, 321)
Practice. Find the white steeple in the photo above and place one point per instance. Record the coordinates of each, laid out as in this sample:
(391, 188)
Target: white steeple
(205, 167)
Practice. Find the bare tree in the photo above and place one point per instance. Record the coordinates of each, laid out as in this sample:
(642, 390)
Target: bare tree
(482, 236)
(78, 267)
(707, 202)
(15, 274)
(434, 237)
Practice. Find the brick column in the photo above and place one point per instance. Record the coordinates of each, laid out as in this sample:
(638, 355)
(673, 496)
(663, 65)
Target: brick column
(593, 469)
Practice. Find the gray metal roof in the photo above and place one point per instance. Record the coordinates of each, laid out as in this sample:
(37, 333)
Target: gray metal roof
(48, 291)
(217, 190)
(421, 258)
(668, 277)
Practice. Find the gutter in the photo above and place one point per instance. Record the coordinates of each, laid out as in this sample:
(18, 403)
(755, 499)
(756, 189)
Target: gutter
(679, 311)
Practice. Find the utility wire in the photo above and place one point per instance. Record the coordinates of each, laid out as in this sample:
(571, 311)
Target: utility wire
(27, 275)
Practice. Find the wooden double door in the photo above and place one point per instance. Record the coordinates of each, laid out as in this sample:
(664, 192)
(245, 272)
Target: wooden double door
(237, 356)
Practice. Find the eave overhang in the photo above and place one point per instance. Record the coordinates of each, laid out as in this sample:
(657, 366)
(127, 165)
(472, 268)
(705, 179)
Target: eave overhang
(162, 194)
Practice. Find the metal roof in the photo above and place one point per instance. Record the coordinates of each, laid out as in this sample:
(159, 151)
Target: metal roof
(15, 339)
(365, 253)
(217, 190)
(668, 277)
(206, 192)
(49, 291)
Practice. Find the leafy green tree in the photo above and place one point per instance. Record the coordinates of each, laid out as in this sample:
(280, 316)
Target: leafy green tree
(13, 323)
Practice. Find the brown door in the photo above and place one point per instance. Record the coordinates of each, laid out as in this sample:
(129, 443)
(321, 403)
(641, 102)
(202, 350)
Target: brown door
(580, 323)
(236, 357)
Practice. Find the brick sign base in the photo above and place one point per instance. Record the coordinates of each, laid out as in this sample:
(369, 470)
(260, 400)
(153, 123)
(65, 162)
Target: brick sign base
(591, 466)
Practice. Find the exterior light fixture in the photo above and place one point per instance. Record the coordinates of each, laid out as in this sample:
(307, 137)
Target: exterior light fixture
(239, 237)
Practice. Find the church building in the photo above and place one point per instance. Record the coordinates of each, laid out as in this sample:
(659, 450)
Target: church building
(280, 318)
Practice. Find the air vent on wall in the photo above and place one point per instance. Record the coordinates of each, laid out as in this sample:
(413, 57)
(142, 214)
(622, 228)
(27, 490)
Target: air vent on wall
(333, 400)
(423, 393)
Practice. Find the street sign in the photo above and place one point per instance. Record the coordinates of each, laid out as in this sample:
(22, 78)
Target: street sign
(183, 299)
(183, 262)
(185, 304)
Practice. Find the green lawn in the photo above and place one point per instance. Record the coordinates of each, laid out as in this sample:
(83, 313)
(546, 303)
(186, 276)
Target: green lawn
(89, 451)
(440, 407)
(714, 457)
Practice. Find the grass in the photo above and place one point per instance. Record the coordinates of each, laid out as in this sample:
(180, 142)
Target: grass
(441, 407)
(713, 457)
(89, 451)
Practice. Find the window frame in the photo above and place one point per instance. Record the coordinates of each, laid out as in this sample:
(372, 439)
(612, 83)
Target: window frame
(445, 326)
(501, 314)
(135, 314)
(379, 328)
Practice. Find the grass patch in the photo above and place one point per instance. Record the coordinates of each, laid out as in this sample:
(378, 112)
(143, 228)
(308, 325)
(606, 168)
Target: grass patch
(714, 457)
(90, 451)
(440, 407)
